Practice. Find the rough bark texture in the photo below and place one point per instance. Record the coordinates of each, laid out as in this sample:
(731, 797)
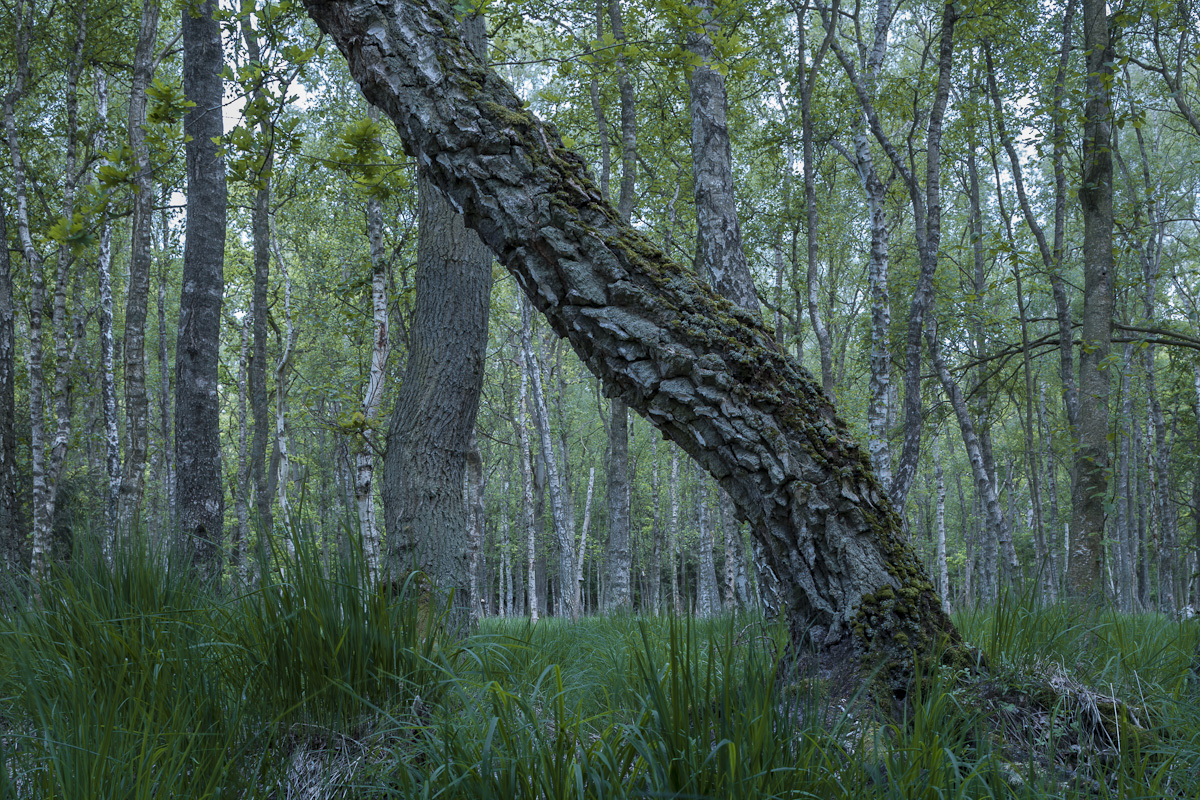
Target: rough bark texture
(137, 298)
(719, 252)
(1085, 573)
(428, 437)
(197, 418)
(705, 373)
(434, 416)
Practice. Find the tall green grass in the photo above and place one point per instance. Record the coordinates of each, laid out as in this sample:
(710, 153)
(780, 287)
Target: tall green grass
(131, 680)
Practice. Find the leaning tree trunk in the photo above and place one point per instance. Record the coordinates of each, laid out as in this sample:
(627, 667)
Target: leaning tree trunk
(199, 496)
(707, 374)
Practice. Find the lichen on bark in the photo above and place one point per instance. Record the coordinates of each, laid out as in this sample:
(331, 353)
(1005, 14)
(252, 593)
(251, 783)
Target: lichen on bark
(706, 374)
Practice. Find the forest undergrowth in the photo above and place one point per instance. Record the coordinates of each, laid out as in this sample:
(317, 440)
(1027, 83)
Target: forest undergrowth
(130, 680)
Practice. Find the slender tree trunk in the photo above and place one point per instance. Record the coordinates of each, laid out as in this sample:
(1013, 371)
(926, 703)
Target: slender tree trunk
(943, 572)
(1084, 576)
(364, 479)
(475, 489)
(656, 532)
(662, 343)
(708, 600)
(564, 525)
(199, 496)
(287, 347)
(1125, 551)
(985, 483)
(108, 386)
(583, 535)
(164, 374)
(1056, 521)
(527, 506)
(12, 537)
(241, 537)
(137, 297)
(673, 532)
(807, 78)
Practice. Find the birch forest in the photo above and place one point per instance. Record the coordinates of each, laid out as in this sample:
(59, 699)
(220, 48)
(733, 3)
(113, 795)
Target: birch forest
(602, 399)
(903, 193)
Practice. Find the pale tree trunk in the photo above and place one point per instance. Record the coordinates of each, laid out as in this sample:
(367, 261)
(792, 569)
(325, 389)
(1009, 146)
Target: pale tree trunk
(108, 386)
(1125, 550)
(33, 265)
(943, 572)
(287, 348)
(1046, 577)
(656, 532)
(1085, 573)
(527, 508)
(364, 474)
(926, 207)
(673, 531)
(137, 297)
(807, 74)
(434, 416)
(1196, 493)
(1046, 457)
(1148, 242)
(475, 489)
(984, 483)
(737, 586)
(657, 337)
(564, 524)
(164, 373)
(506, 576)
(238, 554)
(583, 535)
(197, 413)
(12, 537)
(708, 600)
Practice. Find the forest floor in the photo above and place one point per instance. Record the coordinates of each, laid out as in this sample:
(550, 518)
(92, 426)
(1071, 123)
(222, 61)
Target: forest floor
(129, 681)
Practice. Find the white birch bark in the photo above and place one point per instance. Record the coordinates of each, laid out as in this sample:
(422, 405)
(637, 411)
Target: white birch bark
(281, 408)
(364, 479)
(943, 572)
(997, 520)
(563, 525)
(527, 484)
(583, 534)
(108, 387)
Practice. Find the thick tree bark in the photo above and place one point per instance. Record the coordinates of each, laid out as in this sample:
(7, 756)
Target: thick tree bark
(424, 515)
(199, 493)
(704, 372)
(1085, 572)
(137, 297)
(434, 416)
